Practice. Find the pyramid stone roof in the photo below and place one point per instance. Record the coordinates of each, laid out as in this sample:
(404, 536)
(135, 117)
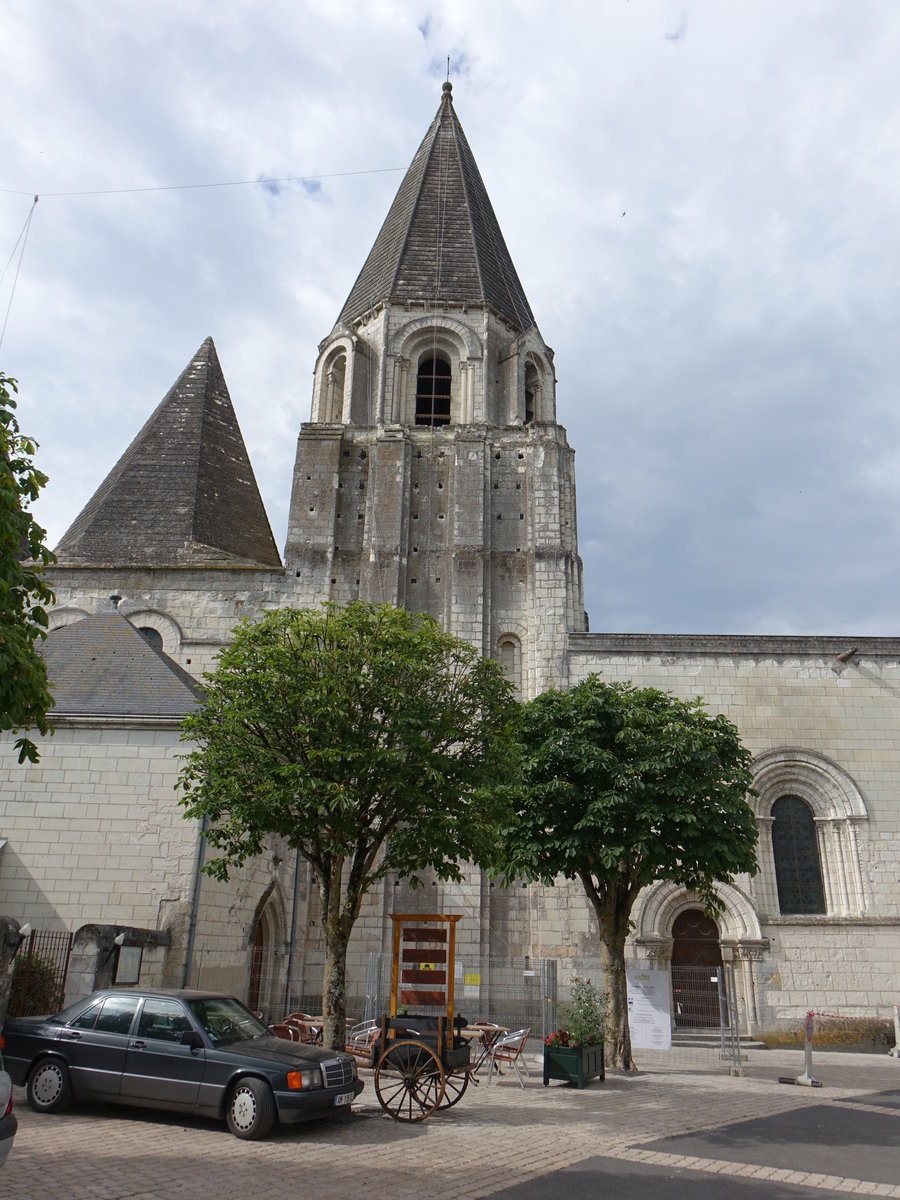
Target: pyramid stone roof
(183, 492)
(441, 239)
(102, 666)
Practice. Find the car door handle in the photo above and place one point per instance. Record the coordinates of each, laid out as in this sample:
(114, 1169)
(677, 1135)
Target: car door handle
(71, 1035)
(136, 1045)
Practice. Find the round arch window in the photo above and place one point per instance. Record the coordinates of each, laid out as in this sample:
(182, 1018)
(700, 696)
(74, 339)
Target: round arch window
(433, 380)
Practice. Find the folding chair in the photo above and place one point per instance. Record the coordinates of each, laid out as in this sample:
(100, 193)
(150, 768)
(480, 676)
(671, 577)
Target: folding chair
(509, 1050)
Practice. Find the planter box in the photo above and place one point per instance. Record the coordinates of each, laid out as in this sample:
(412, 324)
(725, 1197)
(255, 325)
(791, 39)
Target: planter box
(577, 1065)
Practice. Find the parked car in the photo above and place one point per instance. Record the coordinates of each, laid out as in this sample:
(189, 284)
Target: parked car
(185, 1051)
(8, 1123)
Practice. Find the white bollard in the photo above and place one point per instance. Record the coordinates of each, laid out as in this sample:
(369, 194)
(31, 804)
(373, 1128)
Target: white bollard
(806, 1079)
(896, 1050)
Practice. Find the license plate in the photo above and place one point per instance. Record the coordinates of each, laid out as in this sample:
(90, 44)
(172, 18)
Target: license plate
(344, 1098)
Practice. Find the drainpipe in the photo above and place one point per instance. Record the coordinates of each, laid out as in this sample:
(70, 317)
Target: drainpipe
(290, 956)
(195, 907)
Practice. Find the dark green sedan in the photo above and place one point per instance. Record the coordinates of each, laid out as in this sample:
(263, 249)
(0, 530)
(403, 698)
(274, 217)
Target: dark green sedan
(180, 1050)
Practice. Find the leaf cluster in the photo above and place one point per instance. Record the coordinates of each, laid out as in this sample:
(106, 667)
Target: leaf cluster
(363, 735)
(24, 592)
(623, 786)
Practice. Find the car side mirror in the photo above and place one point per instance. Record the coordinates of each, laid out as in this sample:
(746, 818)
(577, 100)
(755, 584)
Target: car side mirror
(191, 1038)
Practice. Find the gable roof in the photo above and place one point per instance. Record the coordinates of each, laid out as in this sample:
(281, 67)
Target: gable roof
(102, 666)
(183, 492)
(441, 239)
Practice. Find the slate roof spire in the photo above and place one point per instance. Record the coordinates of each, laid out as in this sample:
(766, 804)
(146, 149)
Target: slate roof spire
(441, 239)
(184, 492)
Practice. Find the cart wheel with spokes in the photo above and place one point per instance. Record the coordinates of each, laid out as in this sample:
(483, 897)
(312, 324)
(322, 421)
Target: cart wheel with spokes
(409, 1081)
(454, 1088)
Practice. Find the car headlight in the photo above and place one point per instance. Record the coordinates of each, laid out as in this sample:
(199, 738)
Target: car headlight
(306, 1079)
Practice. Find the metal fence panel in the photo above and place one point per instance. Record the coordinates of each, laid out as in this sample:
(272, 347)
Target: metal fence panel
(39, 974)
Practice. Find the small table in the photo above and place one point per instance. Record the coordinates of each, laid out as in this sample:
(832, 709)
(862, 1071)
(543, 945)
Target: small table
(312, 1027)
(484, 1037)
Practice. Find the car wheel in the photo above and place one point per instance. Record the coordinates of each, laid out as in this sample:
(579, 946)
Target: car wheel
(49, 1088)
(251, 1109)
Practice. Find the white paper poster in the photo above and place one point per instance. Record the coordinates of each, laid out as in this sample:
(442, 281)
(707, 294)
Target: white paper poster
(649, 1018)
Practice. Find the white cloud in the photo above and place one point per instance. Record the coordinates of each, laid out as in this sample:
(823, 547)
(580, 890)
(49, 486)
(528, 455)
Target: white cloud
(726, 351)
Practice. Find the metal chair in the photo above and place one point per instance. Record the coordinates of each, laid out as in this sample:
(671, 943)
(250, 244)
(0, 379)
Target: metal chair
(509, 1050)
(287, 1033)
(308, 1028)
(360, 1040)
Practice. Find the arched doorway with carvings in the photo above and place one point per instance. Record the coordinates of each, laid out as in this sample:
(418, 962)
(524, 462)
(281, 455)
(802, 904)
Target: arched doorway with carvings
(696, 966)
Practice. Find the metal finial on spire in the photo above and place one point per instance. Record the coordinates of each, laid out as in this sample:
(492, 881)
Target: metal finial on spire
(447, 89)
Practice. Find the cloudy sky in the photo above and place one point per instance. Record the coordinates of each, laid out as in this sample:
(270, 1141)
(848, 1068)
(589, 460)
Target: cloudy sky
(702, 200)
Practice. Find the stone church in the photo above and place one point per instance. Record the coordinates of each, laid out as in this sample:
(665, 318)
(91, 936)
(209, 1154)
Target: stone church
(433, 474)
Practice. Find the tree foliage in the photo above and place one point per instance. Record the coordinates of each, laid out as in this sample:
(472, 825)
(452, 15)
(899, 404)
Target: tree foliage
(622, 787)
(365, 737)
(24, 592)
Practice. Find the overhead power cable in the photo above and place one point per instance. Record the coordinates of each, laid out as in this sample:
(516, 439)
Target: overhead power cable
(21, 242)
(183, 187)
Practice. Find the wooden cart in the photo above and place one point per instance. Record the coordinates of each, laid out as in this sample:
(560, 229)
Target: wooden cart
(421, 1061)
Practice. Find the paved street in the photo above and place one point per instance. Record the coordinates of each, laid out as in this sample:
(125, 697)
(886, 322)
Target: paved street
(671, 1129)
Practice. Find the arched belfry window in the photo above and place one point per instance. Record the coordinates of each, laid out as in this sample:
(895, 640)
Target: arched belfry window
(532, 392)
(798, 870)
(433, 392)
(510, 652)
(333, 388)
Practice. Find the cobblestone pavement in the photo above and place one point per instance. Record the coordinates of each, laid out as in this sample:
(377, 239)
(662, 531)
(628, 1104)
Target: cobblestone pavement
(497, 1137)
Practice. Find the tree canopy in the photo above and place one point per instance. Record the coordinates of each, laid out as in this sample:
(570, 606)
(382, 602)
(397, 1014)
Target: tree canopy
(624, 786)
(24, 592)
(364, 736)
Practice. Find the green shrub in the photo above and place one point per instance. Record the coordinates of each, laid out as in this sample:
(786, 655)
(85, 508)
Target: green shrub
(36, 987)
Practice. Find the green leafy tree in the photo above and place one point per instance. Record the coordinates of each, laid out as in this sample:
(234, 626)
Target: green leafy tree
(24, 592)
(367, 738)
(623, 786)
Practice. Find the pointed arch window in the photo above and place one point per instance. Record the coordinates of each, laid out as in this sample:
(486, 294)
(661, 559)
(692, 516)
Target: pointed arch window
(798, 870)
(433, 380)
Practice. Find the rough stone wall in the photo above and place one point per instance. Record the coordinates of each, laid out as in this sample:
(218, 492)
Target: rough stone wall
(473, 522)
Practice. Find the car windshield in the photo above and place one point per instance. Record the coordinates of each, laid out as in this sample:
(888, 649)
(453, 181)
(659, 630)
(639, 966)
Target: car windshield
(73, 1011)
(224, 1020)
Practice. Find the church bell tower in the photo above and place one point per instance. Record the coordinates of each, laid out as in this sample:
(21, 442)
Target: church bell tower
(433, 474)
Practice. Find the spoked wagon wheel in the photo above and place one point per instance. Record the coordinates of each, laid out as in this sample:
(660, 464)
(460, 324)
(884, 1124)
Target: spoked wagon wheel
(454, 1088)
(409, 1081)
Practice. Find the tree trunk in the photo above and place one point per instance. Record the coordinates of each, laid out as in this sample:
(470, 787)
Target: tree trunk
(334, 989)
(618, 1035)
(614, 914)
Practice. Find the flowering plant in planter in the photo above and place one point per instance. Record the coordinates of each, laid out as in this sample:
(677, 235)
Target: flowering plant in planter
(584, 1015)
(575, 1054)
